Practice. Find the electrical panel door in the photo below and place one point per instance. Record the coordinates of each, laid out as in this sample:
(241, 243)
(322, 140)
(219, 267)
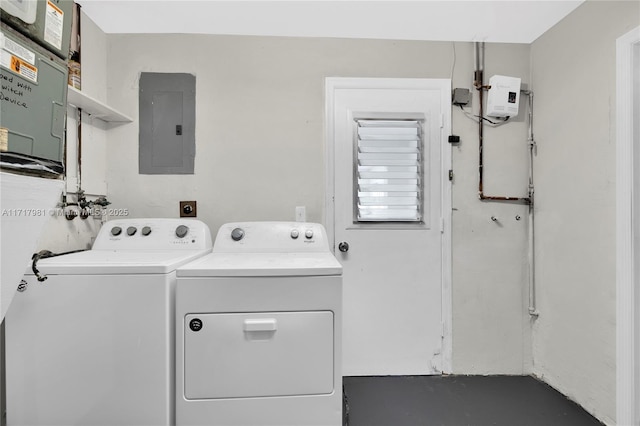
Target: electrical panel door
(33, 99)
(167, 123)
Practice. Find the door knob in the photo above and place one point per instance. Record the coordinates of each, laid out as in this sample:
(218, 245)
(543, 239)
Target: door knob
(343, 246)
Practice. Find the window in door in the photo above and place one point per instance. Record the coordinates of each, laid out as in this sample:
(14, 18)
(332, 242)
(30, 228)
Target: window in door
(388, 171)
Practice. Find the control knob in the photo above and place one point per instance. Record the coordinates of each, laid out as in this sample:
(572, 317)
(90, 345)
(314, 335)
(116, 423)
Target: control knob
(116, 230)
(181, 231)
(146, 230)
(131, 230)
(237, 234)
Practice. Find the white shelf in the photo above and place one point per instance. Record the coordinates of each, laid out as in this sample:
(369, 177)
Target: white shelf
(94, 107)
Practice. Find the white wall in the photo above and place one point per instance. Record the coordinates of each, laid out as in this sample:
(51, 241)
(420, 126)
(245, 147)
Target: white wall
(94, 131)
(259, 153)
(573, 69)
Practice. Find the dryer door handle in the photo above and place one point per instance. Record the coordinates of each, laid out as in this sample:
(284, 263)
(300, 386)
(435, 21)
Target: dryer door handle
(262, 324)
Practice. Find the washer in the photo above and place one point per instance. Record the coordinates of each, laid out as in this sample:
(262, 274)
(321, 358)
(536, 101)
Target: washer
(258, 329)
(94, 344)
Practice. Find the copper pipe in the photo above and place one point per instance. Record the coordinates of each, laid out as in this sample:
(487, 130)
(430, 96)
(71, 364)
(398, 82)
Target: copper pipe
(479, 85)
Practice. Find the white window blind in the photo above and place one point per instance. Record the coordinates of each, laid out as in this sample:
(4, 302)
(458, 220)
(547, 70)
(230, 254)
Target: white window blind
(388, 170)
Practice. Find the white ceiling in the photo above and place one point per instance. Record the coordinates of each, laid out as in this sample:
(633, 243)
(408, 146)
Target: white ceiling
(513, 21)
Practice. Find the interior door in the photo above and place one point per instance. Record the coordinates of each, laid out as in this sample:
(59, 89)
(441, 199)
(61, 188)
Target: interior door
(392, 270)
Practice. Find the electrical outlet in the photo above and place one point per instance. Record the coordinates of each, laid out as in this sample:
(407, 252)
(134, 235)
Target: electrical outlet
(188, 209)
(301, 214)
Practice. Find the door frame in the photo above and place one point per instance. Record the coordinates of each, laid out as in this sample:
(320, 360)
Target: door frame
(444, 86)
(627, 259)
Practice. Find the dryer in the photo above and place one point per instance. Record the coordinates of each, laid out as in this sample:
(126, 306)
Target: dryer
(258, 329)
(93, 344)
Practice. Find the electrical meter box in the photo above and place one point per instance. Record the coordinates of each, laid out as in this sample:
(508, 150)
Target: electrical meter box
(504, 96)
(47, 22)
(33, 99)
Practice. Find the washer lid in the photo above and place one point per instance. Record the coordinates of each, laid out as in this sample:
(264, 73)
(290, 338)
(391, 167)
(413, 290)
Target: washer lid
(94, 262)
(262, 265)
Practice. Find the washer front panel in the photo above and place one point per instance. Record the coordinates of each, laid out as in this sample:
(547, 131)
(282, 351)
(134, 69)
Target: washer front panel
(91, 350)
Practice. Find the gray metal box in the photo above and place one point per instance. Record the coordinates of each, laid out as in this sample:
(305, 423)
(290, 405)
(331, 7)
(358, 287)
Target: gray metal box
(460, 96)
(33, 98)
(167, 123)
(47, 22)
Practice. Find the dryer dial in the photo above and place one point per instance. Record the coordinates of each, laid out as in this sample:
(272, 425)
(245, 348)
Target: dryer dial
(237, 234)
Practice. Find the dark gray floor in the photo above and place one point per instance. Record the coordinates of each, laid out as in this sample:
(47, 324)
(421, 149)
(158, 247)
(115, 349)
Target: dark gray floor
(459, 401)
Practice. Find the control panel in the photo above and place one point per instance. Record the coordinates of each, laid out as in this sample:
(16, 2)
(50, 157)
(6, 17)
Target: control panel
(153, 234)
(271, 237)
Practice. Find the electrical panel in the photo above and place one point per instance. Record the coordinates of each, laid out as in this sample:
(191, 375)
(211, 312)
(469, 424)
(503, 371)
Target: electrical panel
(33, 100)
(504, 96)
(167, 123)
(47, 22)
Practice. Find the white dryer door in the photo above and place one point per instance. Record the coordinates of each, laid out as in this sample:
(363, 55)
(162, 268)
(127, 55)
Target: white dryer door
(243, 355)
